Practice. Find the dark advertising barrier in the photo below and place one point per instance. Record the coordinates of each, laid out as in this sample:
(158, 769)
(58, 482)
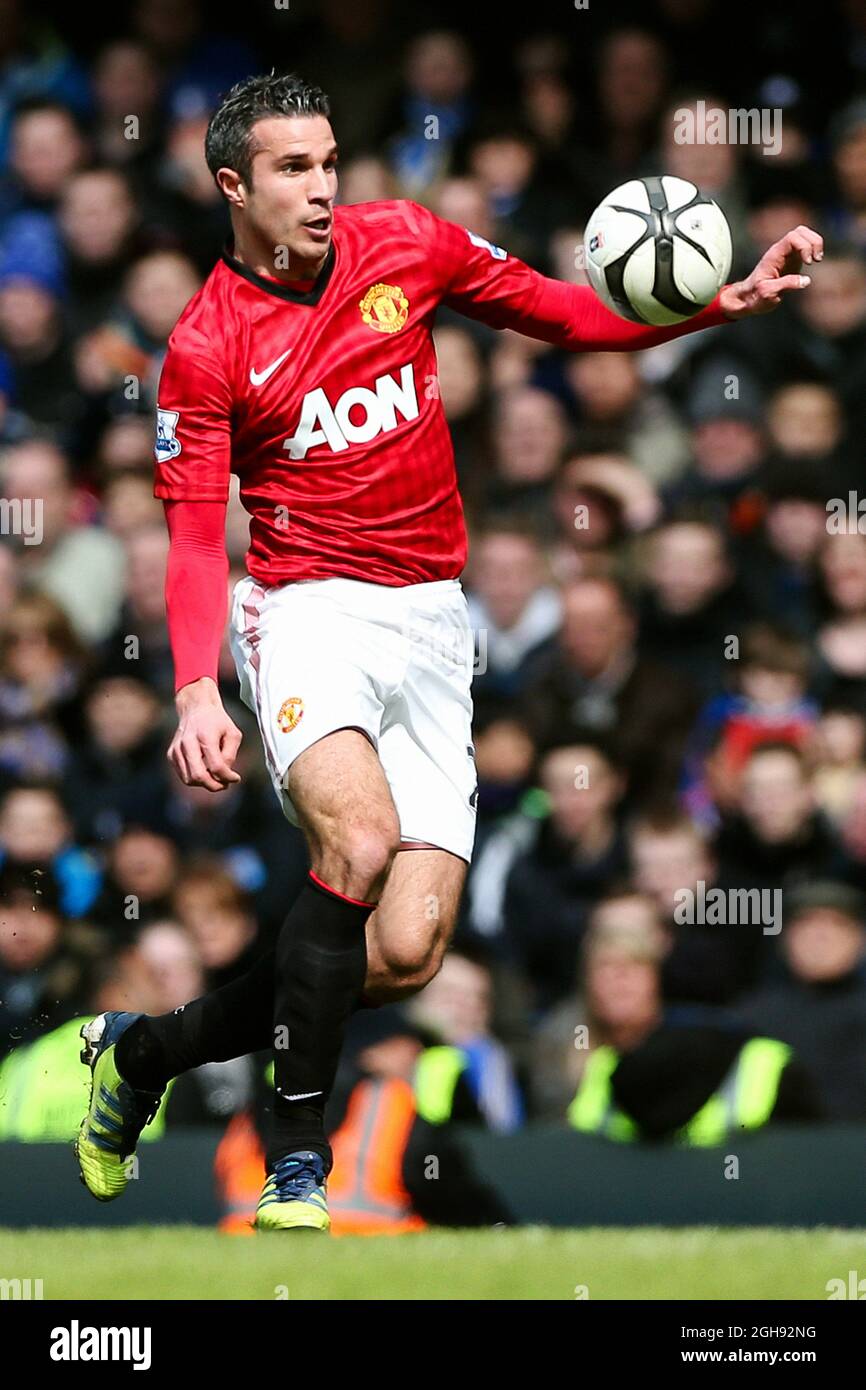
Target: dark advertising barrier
(787, 1177)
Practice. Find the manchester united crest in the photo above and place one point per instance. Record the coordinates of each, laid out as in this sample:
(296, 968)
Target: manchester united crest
(384, 308)
(290, 714)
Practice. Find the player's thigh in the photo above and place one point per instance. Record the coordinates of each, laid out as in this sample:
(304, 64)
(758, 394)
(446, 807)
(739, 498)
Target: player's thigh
(341, 795)
(415, 918)
(313, 669)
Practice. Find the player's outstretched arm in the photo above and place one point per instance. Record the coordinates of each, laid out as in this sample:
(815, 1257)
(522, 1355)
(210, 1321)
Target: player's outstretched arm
(585, 323)
(485, 283)
(206, 743)
(776, 274)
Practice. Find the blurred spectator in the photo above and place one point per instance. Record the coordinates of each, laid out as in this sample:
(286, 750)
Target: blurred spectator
(185, 206)
(632, 78)
(712, 165)
(526, 199)
(513, 611)
(837, 753)
(35, 828)
(673, 862)
(456, 1007)
(139, 641)
(504, 758)
(578, 850)
(610, 393)
(41, 669)
(366, 179)
(129, 506)
(344, 47)
(142, 870)
(728, 444)
(824, 337)
(599, 499)
(805, 418)
(44, 1089)
(463, 199)
(768, 703)
(219, 918)
(461, 383)
(173, 974)
(529, 435)
(35, 64)
(44, 962)
(77, 564)
(125, 352)
(436, 108)
(840, 638)
(246, 829)
(46, 147)
(559, 1046)
(116, 776)
(651, 1075)
(819, 1007)
(126, 84)
(775, 836)
(779, 565)
(596, 681)
(33, 330)
(848, 133)
(97, 217)
(692, 602)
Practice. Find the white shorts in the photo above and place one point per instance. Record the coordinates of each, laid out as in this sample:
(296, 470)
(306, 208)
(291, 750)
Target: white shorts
(326, 654)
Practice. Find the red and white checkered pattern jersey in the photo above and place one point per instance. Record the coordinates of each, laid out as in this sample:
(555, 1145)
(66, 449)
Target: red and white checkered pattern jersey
(325, 401)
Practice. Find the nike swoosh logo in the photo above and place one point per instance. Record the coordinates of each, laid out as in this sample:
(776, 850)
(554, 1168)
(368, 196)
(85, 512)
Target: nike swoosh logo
(259, 378)
(304, 1095)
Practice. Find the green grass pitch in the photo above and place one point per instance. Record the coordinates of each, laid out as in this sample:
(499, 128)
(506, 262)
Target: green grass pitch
(534, 1263)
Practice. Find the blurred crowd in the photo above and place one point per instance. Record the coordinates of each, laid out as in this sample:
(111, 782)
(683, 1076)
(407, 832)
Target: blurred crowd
(668, 565)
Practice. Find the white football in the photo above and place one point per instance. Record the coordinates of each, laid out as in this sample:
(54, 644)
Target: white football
(657, 250)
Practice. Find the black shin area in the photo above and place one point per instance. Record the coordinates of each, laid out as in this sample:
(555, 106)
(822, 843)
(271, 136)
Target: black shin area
(321, 961)
(229, 1022)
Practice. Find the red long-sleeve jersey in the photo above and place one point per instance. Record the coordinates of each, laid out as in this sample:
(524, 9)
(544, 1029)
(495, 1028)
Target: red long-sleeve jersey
(324, 400)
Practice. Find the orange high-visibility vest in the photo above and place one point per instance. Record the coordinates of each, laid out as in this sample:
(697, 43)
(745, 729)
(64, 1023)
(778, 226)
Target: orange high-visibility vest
(239, 1171)
(366, 1193)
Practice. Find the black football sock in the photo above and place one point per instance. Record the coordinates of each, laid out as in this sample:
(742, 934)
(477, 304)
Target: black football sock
(231, 1021)
(321, 962)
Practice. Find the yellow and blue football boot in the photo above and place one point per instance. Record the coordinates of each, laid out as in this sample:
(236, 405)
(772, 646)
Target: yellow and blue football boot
(117, 1113)
(294, 1196)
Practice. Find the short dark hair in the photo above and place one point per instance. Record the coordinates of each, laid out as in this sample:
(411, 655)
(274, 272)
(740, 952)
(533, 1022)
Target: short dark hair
(591, 441)
(775, 649)
(228, 143)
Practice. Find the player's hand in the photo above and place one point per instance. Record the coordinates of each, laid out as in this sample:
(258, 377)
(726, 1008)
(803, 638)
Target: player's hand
(777, 272)
(206, 743)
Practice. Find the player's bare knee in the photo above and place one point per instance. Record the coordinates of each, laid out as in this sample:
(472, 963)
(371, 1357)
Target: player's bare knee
(412, 964)
(358, 863)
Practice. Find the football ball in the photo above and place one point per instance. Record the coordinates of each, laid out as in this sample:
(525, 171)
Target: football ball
(657, 250)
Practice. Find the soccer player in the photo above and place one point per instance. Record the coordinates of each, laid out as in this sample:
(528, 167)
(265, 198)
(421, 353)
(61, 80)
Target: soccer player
(306, 365)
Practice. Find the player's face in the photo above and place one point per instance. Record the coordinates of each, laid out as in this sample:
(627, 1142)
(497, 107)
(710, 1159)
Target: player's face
(289, 201)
